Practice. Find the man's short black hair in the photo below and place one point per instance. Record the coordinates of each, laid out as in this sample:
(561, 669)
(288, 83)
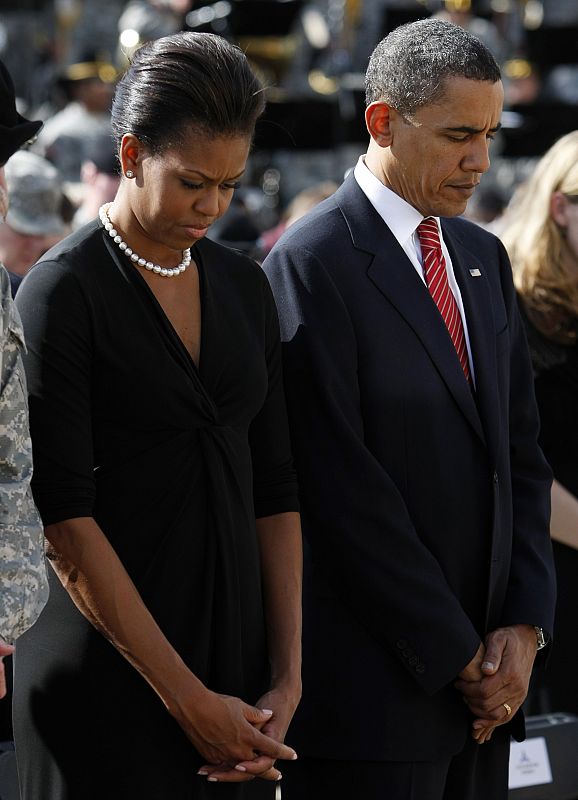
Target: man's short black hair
(408, 68)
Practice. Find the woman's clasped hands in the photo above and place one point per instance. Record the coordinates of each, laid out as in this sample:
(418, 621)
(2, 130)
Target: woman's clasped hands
(240, 742)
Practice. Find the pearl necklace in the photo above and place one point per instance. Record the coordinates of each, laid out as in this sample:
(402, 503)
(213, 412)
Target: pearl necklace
(142, 262)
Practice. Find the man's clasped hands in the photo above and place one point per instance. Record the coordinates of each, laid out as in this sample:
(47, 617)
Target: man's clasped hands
(495, 682)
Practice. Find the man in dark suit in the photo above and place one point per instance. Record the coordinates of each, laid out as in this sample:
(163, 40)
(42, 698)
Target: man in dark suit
(425, 498)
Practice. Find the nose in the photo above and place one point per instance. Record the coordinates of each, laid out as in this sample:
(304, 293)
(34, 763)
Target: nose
(207, 203)
(477, 158)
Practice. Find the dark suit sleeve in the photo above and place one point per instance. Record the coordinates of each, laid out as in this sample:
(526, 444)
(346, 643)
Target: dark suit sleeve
(274, 481)
(530, 597)
(356, 522)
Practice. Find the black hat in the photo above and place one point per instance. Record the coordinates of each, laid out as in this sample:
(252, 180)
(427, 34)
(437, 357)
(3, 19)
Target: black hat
(93, 67)
(14, 129)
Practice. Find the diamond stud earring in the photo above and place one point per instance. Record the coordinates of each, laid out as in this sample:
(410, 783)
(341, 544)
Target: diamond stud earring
(129, 173)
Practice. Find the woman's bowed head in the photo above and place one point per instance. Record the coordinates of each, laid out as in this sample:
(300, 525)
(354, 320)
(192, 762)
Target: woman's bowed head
(183, 118)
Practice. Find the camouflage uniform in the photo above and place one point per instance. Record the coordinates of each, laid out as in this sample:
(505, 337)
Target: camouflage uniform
(23, 582)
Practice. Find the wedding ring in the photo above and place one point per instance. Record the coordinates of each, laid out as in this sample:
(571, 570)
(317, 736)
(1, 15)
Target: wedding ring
(508, 708)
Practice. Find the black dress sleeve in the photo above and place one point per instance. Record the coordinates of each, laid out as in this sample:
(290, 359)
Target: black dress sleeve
(274, 482)
(58, 368)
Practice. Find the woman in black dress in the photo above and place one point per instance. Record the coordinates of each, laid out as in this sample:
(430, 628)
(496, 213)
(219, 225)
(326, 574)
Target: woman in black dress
(541, 235)
(170, 644)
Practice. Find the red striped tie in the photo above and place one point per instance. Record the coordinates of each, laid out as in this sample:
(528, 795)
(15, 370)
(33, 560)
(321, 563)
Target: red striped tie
(436, 278)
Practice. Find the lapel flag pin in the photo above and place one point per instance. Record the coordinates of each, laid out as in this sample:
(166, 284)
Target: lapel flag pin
(475, 273)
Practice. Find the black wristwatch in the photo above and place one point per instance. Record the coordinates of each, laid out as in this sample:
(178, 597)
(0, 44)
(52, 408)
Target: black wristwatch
(541, 640)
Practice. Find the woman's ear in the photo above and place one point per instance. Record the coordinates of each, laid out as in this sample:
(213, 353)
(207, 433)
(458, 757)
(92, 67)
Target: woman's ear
(131, 153)
(559, 208)
(377, 120)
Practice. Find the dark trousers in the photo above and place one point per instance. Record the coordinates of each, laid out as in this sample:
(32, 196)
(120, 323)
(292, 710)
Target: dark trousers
(479, 772)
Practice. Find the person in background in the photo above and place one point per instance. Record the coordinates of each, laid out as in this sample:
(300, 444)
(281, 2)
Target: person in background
(145, 20)
(462, 13)
(303, 202)
(541, 236)
(487, 206)
(89, 87)
(523, 83)
(425, 497)
(99, 177)
(34, 221)
(237, 228)
(168, 657)
(23, 584)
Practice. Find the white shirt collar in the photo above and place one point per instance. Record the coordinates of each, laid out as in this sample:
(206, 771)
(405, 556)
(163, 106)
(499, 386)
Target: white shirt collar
(400, 217)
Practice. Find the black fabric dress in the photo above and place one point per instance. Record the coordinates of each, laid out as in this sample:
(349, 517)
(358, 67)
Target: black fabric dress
(556, 384)
(175, 463)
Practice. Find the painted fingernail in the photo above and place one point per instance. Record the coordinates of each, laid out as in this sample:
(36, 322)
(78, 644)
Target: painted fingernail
(266, 711)
(202, 772)
(279, 776)
(241, 768)
(213, 780)
(294, 757)
(487, 665)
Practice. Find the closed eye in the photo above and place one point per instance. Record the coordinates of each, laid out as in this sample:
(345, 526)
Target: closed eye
(189, 185)
(467, 137)
(197, 186)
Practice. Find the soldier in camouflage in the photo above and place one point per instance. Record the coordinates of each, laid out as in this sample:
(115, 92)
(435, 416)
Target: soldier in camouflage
(23, 582)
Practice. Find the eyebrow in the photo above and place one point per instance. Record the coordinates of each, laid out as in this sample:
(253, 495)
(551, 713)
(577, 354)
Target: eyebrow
(467, 129)
(208, 177)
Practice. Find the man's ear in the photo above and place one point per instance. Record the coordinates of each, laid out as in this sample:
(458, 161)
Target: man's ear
(558, 209)
(377, 120)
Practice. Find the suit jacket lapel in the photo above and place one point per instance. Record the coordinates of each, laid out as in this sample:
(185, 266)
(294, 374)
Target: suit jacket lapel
(476, 296)
(394, 276)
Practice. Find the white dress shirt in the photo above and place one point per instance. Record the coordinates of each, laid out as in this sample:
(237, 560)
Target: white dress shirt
(402, 219)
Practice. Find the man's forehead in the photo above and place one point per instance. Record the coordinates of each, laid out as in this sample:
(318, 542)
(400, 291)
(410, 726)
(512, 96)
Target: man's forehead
(465, 103)
(467, 89)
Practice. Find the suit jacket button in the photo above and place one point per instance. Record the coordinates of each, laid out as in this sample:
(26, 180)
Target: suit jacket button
(413, 661)
(495, 477)
(407, 652)
(401, 644)
(420, 669)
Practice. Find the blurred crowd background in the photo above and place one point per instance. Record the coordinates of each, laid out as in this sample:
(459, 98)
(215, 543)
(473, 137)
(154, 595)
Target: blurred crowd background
(65, 56)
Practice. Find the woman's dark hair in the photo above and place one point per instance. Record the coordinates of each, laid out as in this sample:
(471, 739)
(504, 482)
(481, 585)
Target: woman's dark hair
(186, 82)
